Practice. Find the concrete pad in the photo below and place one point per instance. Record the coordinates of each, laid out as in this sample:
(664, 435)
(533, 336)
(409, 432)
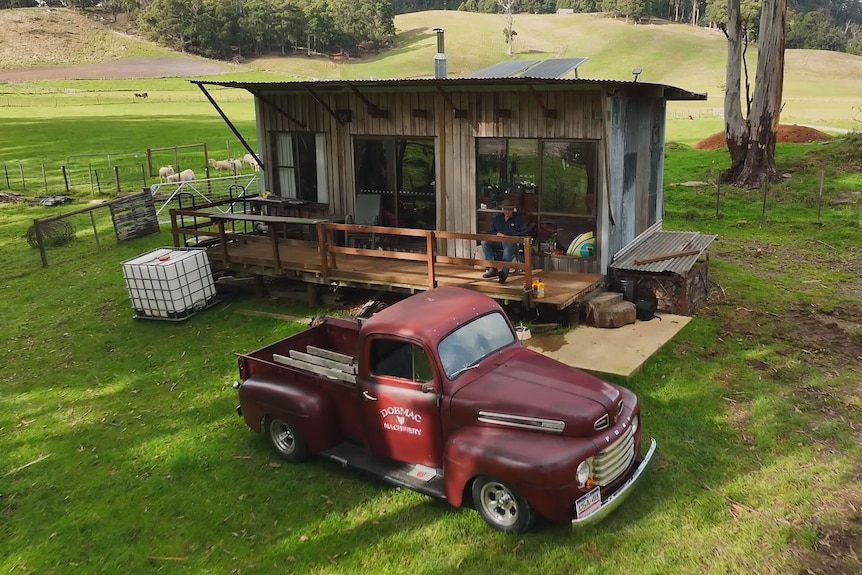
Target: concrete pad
(620, 351)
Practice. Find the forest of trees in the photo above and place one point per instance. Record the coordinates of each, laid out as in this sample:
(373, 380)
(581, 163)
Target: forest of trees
(242, 28)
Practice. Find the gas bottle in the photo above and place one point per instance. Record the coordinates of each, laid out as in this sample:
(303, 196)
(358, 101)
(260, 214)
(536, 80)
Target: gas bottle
(539, 288)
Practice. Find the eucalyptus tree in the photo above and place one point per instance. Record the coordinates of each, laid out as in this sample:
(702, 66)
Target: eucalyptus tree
(751, 136)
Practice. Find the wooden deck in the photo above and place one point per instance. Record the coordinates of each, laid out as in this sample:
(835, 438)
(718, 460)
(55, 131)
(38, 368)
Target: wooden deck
(321, 260)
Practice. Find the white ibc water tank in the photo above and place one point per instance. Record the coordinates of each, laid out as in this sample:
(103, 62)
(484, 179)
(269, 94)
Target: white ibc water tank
(169, 283)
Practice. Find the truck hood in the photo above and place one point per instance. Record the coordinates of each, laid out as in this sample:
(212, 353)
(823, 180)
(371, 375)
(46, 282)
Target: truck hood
(529, 390)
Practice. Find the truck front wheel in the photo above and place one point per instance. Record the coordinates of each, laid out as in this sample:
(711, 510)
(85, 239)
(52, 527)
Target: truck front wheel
(500, 506)
(284, 439)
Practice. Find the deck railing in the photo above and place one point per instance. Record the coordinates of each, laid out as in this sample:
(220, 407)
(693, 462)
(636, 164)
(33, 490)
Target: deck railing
(225, 230)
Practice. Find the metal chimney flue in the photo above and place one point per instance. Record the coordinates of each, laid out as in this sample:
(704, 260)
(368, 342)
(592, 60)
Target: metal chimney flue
(440, 56)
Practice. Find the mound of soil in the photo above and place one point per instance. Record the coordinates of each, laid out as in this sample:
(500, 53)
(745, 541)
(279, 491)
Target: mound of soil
(786, 133)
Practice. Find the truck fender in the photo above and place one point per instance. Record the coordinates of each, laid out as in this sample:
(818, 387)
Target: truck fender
(308, 409)
(530, 462)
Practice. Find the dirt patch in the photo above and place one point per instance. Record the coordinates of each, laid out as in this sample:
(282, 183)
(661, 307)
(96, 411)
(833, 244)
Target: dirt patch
(173, 67)
(787, 133)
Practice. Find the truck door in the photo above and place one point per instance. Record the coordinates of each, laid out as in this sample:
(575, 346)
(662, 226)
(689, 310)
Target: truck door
(400, 403)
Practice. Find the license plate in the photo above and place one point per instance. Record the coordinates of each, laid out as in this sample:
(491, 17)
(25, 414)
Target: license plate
(589, 503)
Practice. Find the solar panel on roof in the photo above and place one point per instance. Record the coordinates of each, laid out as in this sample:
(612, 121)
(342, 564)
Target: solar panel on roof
(503, 69)
(554, 68)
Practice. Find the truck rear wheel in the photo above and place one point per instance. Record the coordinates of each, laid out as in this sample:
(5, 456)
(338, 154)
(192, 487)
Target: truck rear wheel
(501, 507)
(284, 439)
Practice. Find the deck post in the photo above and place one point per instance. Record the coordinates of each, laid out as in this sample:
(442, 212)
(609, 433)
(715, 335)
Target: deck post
(273, 238)
(223, 239)
(431, 256)
(175, 234)
(528, 263)
(324, 234)
(311, 290)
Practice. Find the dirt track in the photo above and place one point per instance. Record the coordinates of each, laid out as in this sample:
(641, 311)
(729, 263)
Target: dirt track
(120, 69)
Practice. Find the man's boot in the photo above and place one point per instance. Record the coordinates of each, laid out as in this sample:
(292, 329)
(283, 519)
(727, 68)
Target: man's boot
(490, 273)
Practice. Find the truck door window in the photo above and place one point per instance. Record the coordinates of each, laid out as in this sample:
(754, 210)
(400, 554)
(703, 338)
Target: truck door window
(473, 341)
(395, 358)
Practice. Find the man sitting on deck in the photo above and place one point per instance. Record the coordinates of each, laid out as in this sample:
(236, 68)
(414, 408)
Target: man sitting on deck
(507, 223)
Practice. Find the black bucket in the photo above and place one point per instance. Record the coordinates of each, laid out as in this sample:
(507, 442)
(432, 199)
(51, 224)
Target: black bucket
(627, 288)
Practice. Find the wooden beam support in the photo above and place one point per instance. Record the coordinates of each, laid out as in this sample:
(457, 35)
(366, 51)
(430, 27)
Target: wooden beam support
(325, 106)
(667, 256)
(546, 112)
(229, 123)
(373, 109)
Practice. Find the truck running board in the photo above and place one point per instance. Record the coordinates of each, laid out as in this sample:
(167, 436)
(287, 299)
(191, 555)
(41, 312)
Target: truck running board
(407, 475)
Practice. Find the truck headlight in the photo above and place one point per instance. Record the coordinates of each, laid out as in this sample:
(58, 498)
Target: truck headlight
(585, 471)
(635, 422)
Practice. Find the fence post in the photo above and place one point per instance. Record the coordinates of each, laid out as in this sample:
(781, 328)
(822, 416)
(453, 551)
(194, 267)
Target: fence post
(95, 231)
(143, 176)
(65, 179)
(41, 243)
(717, 196)
(98, 185)
(90, 173)
(23, 183)
(6, 171)
(820, 195)
(44, 178)
(117, 178)
(765, 191)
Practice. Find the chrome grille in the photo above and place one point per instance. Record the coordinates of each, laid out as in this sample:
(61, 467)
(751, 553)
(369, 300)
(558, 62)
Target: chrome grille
(610, 463)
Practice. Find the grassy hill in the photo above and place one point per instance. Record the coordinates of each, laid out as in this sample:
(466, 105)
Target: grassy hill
(821, 88)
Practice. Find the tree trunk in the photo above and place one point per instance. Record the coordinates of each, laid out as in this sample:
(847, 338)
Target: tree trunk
(765, 114)
(736, 128)
(751, 141)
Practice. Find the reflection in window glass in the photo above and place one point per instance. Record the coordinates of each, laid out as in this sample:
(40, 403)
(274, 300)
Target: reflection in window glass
(300, 166)
(471, 342)
(566, 185)
(395, 358)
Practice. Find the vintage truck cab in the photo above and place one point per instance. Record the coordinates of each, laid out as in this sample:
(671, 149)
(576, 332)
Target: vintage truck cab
(435, 393)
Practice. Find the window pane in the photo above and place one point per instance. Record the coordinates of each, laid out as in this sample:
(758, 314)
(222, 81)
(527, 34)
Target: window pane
(400, 359)
(471, 342)
(306, 156)
(300, 166)
(568, 185)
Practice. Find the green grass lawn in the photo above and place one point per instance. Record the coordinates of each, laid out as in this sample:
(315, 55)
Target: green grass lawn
(122, 450)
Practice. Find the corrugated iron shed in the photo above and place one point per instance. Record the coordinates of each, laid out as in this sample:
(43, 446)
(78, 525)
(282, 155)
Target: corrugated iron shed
(660, 243)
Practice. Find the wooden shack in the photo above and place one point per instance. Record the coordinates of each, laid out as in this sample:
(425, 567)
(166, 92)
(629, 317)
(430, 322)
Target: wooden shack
(581, 159)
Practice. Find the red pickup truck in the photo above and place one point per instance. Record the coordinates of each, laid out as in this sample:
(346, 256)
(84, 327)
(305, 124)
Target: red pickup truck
(436, 394)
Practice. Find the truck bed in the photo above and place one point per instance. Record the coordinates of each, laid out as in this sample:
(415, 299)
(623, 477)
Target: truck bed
(327, 349)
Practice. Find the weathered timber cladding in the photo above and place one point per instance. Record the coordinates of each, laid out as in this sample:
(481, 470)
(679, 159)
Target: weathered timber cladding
(489, 113)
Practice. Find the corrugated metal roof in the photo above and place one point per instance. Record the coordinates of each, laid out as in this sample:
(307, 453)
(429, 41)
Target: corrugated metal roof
(503, 69)
(554, 67)
(454, 84)
(659, 243)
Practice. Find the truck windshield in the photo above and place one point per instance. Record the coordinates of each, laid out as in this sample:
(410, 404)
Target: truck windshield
(473, 341)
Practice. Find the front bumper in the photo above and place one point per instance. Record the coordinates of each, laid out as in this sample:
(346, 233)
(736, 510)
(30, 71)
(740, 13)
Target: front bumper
(608, 505)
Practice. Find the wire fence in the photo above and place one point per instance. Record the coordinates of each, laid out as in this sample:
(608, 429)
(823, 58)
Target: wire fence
(111, 173)
(190, 193)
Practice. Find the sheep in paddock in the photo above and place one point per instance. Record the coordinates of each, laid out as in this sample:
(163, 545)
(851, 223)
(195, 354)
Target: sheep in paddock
(222, 165)
(164, 172)
(249, 159)
(184, 176)
(237, 165)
